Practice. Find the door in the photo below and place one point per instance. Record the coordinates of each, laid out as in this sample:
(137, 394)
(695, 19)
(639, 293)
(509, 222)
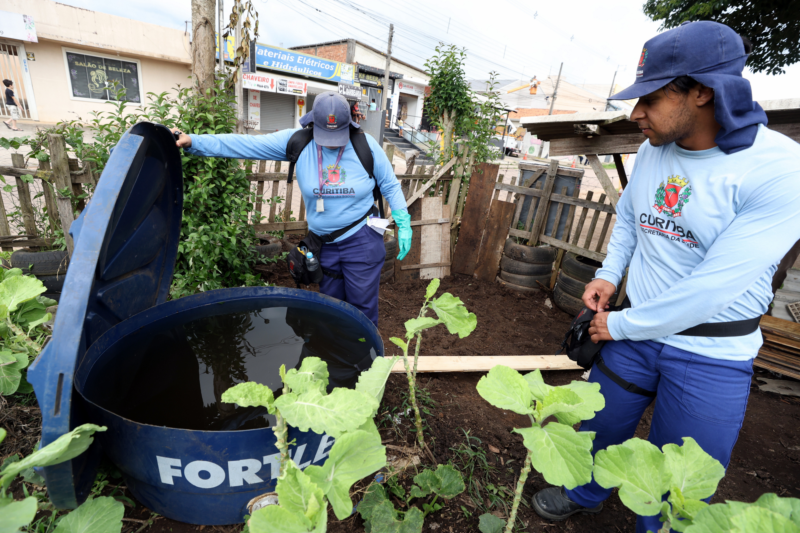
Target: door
(14, 67)
(277, 111)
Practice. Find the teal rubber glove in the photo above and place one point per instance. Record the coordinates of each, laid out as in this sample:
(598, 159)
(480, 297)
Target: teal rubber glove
(403, 221)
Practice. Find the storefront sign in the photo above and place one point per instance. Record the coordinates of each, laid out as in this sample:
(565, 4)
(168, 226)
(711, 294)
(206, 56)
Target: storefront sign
(274, 58)
(254, 109)
(296, 87)
(411, 88)
(352, 92)
(93, 77)
(259, 82)
(17, 26)
(370, 79)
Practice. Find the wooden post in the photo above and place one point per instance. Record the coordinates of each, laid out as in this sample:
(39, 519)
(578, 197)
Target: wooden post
(605, 181)
(49, 198)
(262, 167)
(544, 204)
(476, 213)
(25, 202)
(61, 177)
(5, 230)
(567, 230)
(77, 190)
(623, 178)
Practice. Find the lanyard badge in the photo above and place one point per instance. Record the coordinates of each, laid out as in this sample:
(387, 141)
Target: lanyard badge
(320, 202)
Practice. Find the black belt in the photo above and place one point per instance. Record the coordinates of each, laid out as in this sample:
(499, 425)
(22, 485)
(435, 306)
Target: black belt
(330, 237)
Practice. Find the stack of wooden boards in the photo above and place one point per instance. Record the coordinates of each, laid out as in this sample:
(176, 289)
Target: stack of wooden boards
(781, 350)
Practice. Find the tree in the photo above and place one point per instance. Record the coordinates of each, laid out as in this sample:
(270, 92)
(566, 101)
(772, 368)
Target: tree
(203, 44)
(772, 25)
(450, 101)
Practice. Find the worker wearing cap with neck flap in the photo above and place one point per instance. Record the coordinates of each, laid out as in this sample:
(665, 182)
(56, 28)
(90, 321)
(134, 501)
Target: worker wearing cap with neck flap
(338, 193)
(708, 214)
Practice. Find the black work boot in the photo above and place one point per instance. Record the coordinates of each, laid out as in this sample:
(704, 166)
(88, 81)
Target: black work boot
(553, 503)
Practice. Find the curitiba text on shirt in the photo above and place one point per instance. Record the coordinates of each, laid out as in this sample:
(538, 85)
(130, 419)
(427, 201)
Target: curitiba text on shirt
(668, 229)
(335, 192)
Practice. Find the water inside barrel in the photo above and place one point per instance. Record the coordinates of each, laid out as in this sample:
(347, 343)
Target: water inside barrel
(175, 377)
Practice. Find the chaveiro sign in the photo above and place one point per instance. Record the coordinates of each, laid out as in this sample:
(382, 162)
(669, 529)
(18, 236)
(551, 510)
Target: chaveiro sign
(352, 92)
(275, 58)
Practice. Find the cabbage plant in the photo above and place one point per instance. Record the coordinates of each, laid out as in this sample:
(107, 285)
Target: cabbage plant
(451, 312)
(561, 454)
(344, 414)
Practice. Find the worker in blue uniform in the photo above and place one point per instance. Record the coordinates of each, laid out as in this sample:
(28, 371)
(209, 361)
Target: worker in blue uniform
(337, 190)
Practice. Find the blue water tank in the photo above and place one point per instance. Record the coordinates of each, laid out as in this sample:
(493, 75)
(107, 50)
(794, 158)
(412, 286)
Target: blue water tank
(115, 291)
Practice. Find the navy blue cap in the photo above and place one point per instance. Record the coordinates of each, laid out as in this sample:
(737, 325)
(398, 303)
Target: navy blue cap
(714, 55)
(331, 118)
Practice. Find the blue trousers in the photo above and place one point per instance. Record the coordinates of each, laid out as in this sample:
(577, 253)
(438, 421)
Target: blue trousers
(359, 258)
(698, 397)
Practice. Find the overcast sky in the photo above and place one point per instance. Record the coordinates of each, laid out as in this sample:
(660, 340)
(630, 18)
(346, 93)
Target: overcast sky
(516, 38)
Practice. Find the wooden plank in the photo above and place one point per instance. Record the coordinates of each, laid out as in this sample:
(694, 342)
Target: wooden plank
(582, 219)
(5, 229)
(425, 187)
(494, 238)
(302, 216)
(603, 232)
(528, 224)
(430, 221)
(268, 176)
(77, 188)
(606, 208)
(780, 327)
(49, 199)
(431, 238)
(262, 166)
(484, 363)
(567, 230)
(533, 177)
(592, 225)
(777, 339)
(525, 191)
(479, 199)
(605, 181)
(413, 256)
(759, 362)
(540, 223)
(455, 187)
(411, 161)
(496, 190)
(600, 145)
(60, 164)
(287, 207)
(559, 209)
(280, 226)
(273, 192)
(424, 266)
(445, 241)
(572, 248)
(24, 195)
(623, 177)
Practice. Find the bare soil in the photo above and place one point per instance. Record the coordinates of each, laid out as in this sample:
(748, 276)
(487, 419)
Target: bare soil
(766, 458)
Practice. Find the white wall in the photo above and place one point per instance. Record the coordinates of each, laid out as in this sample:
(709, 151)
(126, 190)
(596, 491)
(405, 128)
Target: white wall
(365, 56)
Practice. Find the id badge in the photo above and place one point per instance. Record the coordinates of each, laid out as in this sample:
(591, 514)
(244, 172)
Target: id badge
(320, 205)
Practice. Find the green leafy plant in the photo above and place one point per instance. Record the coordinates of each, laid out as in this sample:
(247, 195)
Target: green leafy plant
(95, 515)
(344, 414)
(768, 514)
(561, 454)
(380, 516)
(23, 310)
(451, 312)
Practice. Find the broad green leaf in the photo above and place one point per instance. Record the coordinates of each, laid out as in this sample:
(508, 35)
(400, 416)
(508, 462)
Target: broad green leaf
(250, 394)
(3, 434)
(384, 520)
(373, 380)
(353, 457)
(489, 523)
(298, 494)
(505, 388)
(277, 519)
(313, 372)
(558, 400)
(64, 448)
(445, 481)
(756, 519)
(11, 366)
(455, 316)
(716, 518)
(433, 286)
(693, 471)
(681, 507)
(788, 507)
(98, 515)
(400, 343)
(18, 289)
(638, 468)
(16, 515)
(373, 497)
(340, 411)
(415, 325)
(561, 454)
(539, 388)
(593, 401)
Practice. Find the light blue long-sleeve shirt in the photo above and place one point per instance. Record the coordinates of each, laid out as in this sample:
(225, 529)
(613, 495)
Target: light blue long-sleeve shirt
(703, 233)
(347, 195)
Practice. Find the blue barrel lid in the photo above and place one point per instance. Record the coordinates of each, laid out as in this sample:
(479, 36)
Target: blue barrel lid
(126, 242)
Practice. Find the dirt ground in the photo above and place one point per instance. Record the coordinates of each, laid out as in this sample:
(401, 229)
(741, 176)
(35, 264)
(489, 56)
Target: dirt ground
(766, 458)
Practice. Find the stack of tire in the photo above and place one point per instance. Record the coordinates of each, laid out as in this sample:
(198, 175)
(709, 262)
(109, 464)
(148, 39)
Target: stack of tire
(49, 267)
(387, 272)
(526, 268)
(269, 248)
(576, 272)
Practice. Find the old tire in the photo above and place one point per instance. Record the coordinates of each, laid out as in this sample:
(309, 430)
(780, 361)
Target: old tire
(570, 285)
(512, 266)
(270, 250)
(41, 263)
(387, 275)
(565, 302)
(516, 288)
(392, 249)
(388, 265)
(579, 267)
(54, 284)
(526, 281)
(529, 254)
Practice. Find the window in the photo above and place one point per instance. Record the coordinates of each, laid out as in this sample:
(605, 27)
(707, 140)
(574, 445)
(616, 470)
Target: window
(92, 77)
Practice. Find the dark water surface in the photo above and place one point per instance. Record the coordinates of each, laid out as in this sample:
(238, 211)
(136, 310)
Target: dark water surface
(175, 377)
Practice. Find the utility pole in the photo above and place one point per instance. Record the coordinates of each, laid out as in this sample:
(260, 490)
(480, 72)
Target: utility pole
(220, 40)
(555, 92)
(237, 40)
(386, 71)
(611, 90)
